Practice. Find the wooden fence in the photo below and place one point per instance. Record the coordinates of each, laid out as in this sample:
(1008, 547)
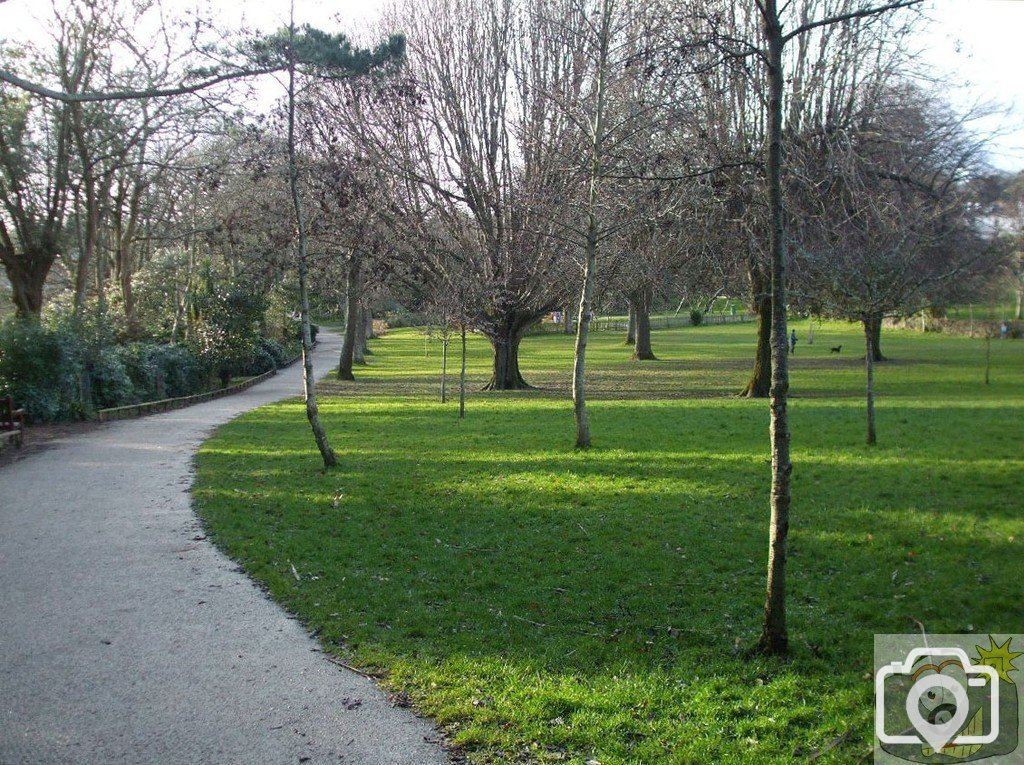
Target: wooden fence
(608, 324)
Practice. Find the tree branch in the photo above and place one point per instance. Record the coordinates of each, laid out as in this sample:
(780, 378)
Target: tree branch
(129, 95)
(862, 13)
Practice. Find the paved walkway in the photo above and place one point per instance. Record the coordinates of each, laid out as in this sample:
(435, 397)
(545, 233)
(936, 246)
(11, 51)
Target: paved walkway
(126, 637)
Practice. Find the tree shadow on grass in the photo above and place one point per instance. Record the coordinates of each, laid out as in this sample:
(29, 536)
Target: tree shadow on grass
(593, 601)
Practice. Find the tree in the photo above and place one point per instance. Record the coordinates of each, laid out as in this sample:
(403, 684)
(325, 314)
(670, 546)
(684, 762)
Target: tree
(35, 139)
(597, 134)
(774, 635)
(326, 55)
(70, 155)
(891, 225)
(826, 71)
(1004, 207)
(474, 133)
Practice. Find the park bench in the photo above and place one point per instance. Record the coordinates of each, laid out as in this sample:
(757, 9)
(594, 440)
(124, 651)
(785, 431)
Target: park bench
(12, 421)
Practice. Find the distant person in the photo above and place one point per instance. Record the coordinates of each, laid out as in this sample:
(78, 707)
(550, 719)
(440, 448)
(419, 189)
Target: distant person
(1003, 331)
(792, 341)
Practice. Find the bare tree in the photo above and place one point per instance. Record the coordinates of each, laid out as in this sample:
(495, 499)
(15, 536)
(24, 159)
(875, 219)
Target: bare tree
(774, 635)
(891, 225)
(477, 145)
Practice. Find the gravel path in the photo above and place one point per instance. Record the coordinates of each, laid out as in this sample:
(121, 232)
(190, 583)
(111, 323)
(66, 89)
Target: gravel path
(126, 637)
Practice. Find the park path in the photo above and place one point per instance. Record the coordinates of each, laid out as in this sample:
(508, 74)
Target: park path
(126, 637)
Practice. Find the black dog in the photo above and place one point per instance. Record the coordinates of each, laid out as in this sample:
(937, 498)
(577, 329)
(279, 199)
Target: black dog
(836, 348)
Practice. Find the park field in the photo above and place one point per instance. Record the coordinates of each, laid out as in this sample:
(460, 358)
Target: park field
(548, 605)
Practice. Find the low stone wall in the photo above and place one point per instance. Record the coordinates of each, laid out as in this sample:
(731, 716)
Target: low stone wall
(168, 404)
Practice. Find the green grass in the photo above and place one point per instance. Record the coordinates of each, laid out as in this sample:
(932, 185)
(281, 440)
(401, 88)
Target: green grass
(546, 605)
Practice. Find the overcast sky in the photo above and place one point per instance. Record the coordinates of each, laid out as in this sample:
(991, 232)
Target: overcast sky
(977, 42)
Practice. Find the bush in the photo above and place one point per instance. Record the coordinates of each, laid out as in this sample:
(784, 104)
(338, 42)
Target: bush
(402, 318)
(111, 384)
(184, 374)
(140, 362)
(262, 361)
(276, 350)
(30, 368)
(696, 317)
(159, 371)
(68, 369)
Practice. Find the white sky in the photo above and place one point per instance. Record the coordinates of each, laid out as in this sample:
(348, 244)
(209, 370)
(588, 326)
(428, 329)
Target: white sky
(976, 42)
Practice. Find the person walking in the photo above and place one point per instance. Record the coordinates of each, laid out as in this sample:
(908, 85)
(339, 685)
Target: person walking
(792, 341)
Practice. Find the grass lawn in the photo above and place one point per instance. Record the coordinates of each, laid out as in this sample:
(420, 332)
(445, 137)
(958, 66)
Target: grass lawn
(548, 605)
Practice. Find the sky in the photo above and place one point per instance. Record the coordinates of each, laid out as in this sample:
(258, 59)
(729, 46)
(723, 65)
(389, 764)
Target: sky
(976, 43)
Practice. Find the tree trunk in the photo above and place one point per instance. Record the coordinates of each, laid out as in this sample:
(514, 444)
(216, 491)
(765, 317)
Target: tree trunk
(579, 400)
(631, 326)
(1019, 313)
(641, 302)
(359, 348)
(87, 250)
(27, 275)
(505, 375)
(308, 378)
(131, 316)
(774, 636)
(369, 331)
(444, 366)
(759, 385)
(462, 377)
(351, 318)
(567, 321)
(586, 312)
(988, 357)
(126, 229)
(869, 362)
(873, 327)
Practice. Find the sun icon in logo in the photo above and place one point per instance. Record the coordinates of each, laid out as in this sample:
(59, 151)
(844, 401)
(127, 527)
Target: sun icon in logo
(999, 657)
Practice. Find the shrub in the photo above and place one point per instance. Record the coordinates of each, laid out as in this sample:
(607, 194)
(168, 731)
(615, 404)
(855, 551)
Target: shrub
(277, 351)
(140, 362)
(402, 318)
(183, 373)
(110, 382)
(696, 317)
(262, 361)
(160, 371)
(29, 361)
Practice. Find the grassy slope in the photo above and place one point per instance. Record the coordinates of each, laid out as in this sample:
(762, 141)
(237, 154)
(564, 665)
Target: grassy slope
(548, 605)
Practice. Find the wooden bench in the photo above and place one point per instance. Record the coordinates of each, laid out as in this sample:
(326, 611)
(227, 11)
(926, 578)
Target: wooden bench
(12, 422)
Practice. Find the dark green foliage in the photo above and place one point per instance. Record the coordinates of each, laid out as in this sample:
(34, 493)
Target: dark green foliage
(66, 369)
(276, 351)
(162, 371)
(30, 359)
(111, 385)
(226, 325)
(262, 360)
(184, 374)
(696, 317)
(327, 53)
